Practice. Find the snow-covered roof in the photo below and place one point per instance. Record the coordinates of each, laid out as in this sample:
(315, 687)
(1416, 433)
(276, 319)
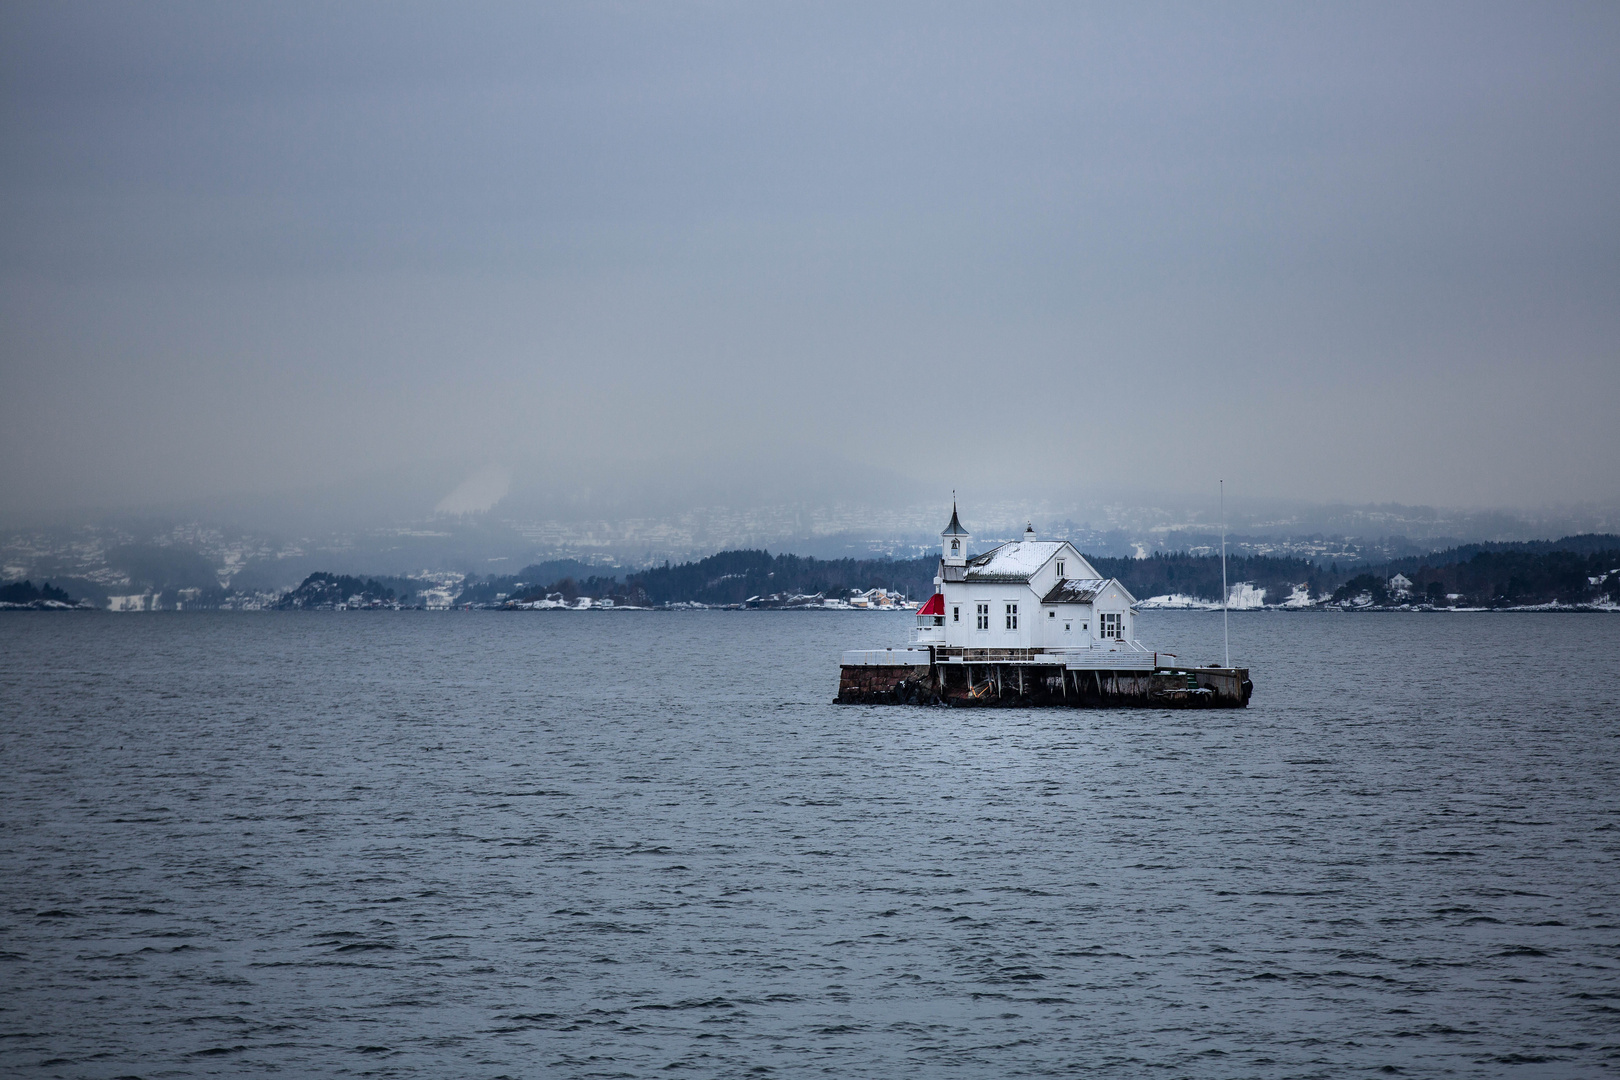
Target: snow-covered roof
(1075, 591)
(1015, 561)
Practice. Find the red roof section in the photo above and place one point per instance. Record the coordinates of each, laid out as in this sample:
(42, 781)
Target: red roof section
(935, 606)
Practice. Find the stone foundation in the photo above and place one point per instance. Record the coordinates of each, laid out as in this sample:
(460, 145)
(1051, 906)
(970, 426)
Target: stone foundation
(990, 685)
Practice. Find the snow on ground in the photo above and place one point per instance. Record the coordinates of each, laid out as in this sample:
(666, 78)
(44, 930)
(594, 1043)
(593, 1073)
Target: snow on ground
(441, 588)
(1178, 600)
(1245, 597)
(1299, 598)
(1242, 597)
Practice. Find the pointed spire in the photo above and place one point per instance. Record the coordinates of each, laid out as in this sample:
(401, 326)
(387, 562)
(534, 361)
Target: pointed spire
(955, 527)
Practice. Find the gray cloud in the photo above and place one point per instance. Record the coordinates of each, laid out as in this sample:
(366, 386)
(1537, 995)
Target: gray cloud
(1363, 252)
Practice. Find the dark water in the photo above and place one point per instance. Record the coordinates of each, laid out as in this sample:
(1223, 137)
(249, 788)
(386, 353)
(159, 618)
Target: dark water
(622, 844)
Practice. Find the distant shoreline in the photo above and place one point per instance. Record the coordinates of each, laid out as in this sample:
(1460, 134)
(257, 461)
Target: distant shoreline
(677, 609)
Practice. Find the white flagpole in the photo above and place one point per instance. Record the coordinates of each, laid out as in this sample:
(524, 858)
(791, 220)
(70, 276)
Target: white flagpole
(1226, 639)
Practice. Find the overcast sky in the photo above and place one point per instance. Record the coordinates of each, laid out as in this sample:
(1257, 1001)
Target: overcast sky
(1368, 252)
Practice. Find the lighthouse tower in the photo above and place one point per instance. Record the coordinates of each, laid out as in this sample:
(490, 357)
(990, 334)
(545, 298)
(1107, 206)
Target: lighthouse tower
(952, 553)
(954, 540)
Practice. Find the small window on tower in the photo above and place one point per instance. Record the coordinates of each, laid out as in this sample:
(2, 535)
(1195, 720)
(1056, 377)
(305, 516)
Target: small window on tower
(956, 613)
(956, 545)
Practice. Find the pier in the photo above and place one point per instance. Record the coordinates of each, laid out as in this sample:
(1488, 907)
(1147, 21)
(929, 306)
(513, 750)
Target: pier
(1015, 678)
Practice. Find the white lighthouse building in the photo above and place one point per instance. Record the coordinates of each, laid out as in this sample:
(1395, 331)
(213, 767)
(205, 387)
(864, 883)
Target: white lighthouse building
(1029, 622)
(1025, 594)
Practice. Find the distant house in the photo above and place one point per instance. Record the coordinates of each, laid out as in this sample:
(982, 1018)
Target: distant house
(1400, 585)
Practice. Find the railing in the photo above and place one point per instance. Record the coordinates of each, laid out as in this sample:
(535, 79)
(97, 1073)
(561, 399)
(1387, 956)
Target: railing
(987, 656)
(1120, 653)
(1105, 659)
(1052, 654)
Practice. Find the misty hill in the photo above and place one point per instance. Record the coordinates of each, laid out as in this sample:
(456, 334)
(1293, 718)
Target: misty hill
(165, 568)
(731, 577)
(728, 577)
(1500, 579)
(1583, 544)
(1534, 572)
(1479, 575)
(25, 594)
(538, 576)
(324, 590)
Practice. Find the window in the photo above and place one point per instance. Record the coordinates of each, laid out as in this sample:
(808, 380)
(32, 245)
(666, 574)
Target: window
(956, 613)
(1012, 616)
(1110, 624)
(1051, 614)
(1060, 568)
(983, 621)
(1067, 625)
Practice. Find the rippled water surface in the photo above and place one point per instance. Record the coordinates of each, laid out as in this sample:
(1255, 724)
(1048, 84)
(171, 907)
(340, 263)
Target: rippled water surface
(620, 844)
